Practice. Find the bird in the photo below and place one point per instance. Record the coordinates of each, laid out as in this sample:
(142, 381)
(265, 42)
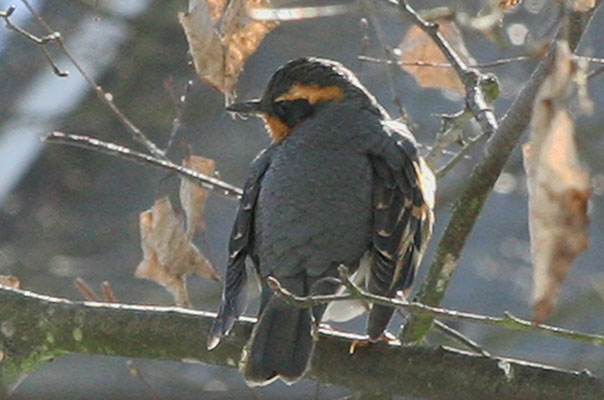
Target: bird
(341, 183)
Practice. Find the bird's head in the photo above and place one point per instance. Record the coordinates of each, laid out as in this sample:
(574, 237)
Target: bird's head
(299, 88)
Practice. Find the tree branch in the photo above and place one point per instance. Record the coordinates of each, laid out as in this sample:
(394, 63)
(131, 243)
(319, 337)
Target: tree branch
(125, 153)
(468, 206)
(507, 321)
(36, 328)
(471, 77)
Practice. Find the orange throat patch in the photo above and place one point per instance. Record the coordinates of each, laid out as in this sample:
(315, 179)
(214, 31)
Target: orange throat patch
(277, 129)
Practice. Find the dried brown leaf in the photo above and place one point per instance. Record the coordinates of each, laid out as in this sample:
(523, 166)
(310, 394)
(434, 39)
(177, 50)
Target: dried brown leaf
(219, 55)
(205, 45)
(558, 188)
(241, 36)
(216, 8)
(192, 196)
(417, 46)
(508, 4)
(584, 5)
(10, 281)
(168, 255)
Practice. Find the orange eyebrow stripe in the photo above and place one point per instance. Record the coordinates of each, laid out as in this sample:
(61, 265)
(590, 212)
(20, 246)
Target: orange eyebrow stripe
(312, 93)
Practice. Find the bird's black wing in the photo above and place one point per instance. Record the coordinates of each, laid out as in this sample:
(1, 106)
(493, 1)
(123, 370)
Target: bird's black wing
(234, 294)
(403, 197)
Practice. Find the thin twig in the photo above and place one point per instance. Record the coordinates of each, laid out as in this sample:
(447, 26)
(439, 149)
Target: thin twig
(85, 290)
(365, 40)
(454, 334)
(489, 64)
(460, 155)
(303, 301)
(40, 41)
(108, 292)
(507, 321)
(471, 77)
(179, 105)
(381, 37)
(595, 72)
(105, 97)
(460, 338)
(125, 153)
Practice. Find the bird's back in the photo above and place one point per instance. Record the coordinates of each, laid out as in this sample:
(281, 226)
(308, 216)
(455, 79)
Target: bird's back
(314, 206)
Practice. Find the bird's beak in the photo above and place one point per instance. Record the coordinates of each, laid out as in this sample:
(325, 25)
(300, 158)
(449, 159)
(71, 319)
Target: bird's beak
(246, 107)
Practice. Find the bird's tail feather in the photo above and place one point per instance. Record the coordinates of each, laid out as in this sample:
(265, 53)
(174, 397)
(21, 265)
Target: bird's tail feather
(281, 344)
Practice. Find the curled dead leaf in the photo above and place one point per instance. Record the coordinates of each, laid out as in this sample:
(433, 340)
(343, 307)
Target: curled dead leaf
(205, 45)
(192, 196)
(219, 54)
(418, 47)
(558, 188)
(168, 255)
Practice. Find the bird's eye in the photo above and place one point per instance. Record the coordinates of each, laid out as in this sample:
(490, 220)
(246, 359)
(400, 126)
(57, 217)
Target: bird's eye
(281, 107)
(292, 112)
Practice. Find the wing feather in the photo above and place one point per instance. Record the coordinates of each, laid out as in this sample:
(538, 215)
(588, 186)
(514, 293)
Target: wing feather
(403, 200)
(234, 294)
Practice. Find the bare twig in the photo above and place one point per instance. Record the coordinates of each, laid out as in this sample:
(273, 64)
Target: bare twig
(125, 153)
(488, 64)
(381, 37)
(40, 41)
(303, 301)
(85, 290)
(475, 97)
(595, 72)
(179, 105)
(105, 97)
(108, 292)
(457, 157)
(365, 40)
(460, 338)
(507, 321)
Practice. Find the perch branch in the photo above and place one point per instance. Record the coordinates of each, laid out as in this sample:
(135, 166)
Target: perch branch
(36, 328)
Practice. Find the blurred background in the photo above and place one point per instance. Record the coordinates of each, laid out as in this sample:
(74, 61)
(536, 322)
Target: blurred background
(67, 212)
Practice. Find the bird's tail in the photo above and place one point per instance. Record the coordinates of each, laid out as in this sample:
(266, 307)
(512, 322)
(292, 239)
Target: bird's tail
(281, 344)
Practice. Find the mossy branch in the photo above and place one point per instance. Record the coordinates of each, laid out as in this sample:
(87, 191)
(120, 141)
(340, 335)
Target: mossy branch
(35, 328)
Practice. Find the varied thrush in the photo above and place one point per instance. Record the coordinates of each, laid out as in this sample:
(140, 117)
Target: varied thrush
(341, 183)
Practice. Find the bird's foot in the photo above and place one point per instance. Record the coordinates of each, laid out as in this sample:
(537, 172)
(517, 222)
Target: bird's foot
(366, 341)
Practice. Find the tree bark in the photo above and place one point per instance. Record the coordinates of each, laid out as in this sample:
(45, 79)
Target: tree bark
(35, 328)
